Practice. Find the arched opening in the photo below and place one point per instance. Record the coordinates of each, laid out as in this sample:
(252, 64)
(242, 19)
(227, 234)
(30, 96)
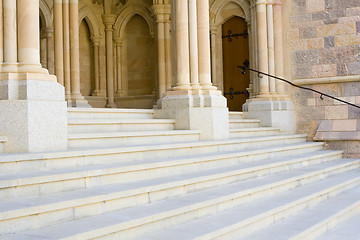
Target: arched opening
(235, 45)
(140, 68)
(87, 74)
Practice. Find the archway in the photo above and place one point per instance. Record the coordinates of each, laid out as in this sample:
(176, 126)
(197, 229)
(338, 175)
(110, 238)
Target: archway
(235, 44)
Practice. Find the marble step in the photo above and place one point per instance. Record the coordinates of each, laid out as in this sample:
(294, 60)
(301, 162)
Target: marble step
(14, 163)
(119, 125)
(347, 230)
(236, 115)
(3, 140)
(253, 132)
(243, 123)
(109, 113)
(155, 215)
(117, 139)
(255, 215)
(47, 182)
(314, 221)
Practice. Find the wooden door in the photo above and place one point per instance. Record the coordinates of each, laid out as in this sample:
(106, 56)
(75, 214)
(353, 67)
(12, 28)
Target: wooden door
(235, 52)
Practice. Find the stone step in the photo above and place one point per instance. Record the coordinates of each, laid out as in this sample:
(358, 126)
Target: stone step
(86, 202)
(47, 182)
(109, 113)
(314, 221)
(236, 115)
(243, 123)
(253, 132)
(348, 230)
(254, 215)
(14, 163)
(3, 140)
(160, 214)
(119, 125)
(117, 139)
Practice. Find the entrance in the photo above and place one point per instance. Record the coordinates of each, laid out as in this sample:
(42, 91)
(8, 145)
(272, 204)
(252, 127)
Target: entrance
(235, 52)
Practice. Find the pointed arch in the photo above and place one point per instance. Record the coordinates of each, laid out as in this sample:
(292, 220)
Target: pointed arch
(218, 7)
(46, 13)
(126, 15)
(90, 18)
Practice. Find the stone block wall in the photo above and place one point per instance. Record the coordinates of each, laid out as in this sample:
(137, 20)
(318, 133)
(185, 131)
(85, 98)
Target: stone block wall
(324, 44)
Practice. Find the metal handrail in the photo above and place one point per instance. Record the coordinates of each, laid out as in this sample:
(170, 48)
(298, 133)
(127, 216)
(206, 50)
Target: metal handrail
(244, 68)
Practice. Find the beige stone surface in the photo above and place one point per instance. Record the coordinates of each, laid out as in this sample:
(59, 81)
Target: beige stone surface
(347, 40)
(315, 6)
(326, 70)
(336, 112)
(344, 125)
(336, 29)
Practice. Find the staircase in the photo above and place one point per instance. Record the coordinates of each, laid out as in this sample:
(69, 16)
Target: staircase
(129, 176)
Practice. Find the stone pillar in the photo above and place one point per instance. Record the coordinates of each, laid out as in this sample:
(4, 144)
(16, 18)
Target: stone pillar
(109, 20)
(10, 36)
(32, 105)
(271, 47)
(96, 43)
(204, 44)
(1, 33)
(77, 100)
(158, 13)
(194, 59)
(279, 52)
(262, 46)
(119, 79)
(59, 43)
(213, 32)
(273, 110)
(66, 49)
(168, 49)
(49, 34)
(203, 108)
(182, 45)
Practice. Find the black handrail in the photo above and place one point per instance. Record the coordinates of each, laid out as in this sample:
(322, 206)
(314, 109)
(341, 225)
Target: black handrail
(244, 68)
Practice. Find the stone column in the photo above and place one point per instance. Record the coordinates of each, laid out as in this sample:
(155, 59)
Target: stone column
(1, 33)
(33, 110)
(109, 20)
(262, 46)
(119, 79)
(168, 48)
(49, 34)
(194, 59)
(271, 47)
(204, 44)
(66, 49)
(213, 32)
(77, 100)
(158, 14)
(182, 45)
(96, 43)
(279, 52)
(59, 43)
(10, 36)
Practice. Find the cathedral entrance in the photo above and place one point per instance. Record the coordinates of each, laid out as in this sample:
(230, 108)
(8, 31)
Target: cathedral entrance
(235, 43)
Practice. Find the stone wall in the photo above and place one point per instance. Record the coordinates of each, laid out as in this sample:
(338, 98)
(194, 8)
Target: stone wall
(324, 43)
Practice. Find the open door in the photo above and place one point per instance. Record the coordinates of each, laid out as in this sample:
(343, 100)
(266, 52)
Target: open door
(235, 52)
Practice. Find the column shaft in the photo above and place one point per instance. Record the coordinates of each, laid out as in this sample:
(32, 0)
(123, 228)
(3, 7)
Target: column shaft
(59, 44)
(204, 44)
(66, 49)
(10, 34)
(28, 32)
(161, 58)
(109, 21)
(182, 45)
(96, 43)
(213, 54)
(50, 50)
(279, 58)
(271, 47)
(1, 32)
(194, 59)
(74, 50)
(262, 46)
(168, 56)
(119, 67)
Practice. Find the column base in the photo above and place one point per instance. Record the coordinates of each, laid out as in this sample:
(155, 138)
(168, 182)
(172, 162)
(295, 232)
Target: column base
(205, 111)
(33, 113)
(78, 101)
(278, 113)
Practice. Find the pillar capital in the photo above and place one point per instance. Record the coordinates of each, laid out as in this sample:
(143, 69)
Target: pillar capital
(96, 40)
(161, 12)
(119, 41)
(108, 19)
(261, 2)
(277, 2)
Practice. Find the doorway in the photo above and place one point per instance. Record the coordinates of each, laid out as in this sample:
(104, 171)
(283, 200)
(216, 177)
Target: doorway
(235, 44)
